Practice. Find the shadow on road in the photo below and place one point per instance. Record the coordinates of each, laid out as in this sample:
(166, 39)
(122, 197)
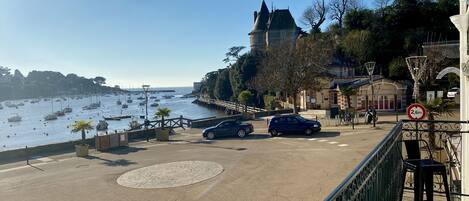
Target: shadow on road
(301, 135)
(125, 151)
(112, 163)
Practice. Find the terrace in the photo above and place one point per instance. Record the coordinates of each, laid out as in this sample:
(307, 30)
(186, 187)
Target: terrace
(380, 175)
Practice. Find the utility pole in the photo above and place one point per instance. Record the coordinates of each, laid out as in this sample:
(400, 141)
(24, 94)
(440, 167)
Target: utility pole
(370, 67)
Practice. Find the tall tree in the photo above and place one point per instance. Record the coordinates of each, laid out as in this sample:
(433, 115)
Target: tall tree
(99, 80)
(359, 45)
(208, 84)
(315, 15)
(242, 72)
(290, 69)
(223, 86)
(339, 8)
(233, 54)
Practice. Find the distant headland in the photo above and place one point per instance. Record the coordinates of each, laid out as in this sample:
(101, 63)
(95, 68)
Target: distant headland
(49, 84)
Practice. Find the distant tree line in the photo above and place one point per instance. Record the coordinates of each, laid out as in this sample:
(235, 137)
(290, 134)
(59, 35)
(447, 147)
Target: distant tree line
(387, 34)
(48, 83)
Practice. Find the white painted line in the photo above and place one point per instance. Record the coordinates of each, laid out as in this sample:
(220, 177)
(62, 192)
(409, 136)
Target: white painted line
(343, 145)
(332, 142)
(312, 139)
(323, 140)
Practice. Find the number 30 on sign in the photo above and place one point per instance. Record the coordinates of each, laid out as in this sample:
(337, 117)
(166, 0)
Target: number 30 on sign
(416, 111)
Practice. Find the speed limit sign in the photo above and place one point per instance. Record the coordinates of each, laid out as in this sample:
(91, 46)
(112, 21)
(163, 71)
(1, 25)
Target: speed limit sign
(416, 111)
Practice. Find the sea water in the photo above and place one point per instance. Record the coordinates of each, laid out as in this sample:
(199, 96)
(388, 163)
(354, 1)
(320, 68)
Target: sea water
(33, 130)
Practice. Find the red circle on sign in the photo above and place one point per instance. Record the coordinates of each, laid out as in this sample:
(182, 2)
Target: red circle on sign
(416, 111)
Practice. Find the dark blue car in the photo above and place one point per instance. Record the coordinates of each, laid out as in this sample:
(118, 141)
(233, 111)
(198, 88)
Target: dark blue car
(228, 128)
(293, 124)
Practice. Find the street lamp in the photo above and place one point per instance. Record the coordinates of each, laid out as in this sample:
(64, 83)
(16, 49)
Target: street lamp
(145, 91)
(370, 68)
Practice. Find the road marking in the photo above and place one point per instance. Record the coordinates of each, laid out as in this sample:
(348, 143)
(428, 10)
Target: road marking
(43, 159)
(323, 140)
(332, 142)
(312, 139)
(343, 145)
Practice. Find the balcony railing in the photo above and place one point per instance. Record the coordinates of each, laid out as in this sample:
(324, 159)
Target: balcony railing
(380, 175)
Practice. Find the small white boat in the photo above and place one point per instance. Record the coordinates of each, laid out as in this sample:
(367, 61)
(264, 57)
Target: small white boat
(15, 118)
(50, 117)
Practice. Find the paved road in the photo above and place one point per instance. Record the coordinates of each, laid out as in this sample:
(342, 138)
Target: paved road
(255, 168)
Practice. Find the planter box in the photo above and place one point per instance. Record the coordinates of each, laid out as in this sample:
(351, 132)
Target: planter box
(162, 135)
(81, 150)
(106, 142)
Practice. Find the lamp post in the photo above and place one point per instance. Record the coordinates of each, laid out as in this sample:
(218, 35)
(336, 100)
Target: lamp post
(370, 67)
(462, 23)
(145, 91)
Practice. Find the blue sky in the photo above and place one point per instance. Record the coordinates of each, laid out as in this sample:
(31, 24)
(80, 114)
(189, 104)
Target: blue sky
(163, 43)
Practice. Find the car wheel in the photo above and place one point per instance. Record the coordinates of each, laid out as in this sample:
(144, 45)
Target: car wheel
(241, 133)
(273, 133)
(309, 131)
(210, 135)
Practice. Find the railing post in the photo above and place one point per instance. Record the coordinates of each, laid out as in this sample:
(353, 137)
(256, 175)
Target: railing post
(27, 155)
(180, 122)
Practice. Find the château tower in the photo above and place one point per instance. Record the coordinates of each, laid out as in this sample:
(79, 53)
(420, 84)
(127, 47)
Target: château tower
(272, 28)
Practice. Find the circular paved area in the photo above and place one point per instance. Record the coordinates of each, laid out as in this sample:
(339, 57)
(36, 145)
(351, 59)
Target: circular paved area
(170, 174)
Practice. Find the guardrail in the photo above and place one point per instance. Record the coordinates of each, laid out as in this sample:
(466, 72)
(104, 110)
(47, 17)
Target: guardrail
(228, 105)
(380, 175)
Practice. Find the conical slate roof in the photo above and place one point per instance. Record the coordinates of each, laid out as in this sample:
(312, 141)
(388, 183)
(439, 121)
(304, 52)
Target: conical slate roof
(262, 18)
(281, 19)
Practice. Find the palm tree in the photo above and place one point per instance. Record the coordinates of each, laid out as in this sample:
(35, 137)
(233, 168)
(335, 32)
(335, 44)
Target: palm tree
(82, 126)
(162, 112)
(436, 107)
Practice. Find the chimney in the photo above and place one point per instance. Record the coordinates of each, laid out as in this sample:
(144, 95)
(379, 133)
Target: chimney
(255, 16)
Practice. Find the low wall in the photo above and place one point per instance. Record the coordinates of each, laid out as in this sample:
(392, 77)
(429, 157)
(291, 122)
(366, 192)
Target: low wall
(316, 113)
(271, 113)
(214, 121)
(60, 148)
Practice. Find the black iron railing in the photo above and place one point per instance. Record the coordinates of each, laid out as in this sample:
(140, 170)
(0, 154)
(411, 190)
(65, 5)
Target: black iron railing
(379, 176)
(444, 139)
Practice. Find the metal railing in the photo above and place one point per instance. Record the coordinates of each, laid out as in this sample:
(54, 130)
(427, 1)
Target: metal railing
(380, 175)
(444, 139)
